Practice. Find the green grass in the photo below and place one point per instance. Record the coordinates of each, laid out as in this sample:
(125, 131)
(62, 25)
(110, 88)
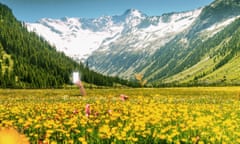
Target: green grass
(230, 72)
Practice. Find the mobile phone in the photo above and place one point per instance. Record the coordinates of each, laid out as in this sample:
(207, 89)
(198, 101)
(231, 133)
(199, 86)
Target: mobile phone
(75, 77)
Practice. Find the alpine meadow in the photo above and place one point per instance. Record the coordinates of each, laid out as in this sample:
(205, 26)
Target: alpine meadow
(122, 79)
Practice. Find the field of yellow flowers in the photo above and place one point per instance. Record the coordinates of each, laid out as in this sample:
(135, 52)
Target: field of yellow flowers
(166, 115)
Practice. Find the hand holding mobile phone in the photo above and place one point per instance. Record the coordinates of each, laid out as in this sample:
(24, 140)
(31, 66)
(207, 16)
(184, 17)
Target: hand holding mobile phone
(75, 77)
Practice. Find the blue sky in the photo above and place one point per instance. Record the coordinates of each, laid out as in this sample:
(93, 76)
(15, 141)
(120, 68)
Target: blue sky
(33, 10)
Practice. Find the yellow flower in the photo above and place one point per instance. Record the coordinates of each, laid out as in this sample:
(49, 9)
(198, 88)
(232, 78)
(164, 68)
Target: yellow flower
(53, 142)
(89, 130)
(82, 140)
(134, 139)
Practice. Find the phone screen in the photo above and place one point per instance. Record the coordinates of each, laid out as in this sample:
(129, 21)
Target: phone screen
(76, 77)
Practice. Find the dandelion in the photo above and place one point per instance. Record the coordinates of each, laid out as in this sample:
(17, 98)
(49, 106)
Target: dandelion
(53, 142)
(82, 140)
(89, 130)
(134, 139)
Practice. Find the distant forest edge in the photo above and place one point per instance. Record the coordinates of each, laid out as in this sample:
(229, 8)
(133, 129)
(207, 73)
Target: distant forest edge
(28, 61)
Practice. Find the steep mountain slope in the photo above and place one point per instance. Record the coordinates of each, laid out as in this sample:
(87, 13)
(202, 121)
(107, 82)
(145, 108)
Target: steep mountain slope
(201, 44)
(185, 53)
(28, 61)
(217, 12)
(128, 53)
(219, 61)
(193, 47)
(79, 38)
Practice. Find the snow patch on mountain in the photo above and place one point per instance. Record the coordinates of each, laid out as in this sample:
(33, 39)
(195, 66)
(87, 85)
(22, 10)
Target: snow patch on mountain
(79, 38)
(219, 26)
(158, 32)
(68, 36)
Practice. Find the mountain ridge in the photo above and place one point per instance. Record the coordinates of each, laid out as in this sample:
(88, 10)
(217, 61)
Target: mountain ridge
(97, 30)
(29, 61)
(162, 47)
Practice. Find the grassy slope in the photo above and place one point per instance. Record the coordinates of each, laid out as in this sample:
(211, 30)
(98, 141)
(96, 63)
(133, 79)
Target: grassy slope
(204, 71)
(187, 75)
(229, 73)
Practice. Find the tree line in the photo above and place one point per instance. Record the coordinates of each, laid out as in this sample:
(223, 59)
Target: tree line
(33, 63)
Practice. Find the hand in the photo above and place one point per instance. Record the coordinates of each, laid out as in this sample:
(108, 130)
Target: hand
(79, 83)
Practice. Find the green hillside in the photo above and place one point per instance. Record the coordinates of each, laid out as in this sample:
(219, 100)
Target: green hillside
(28, 61)
(204, 54)
(219, 62)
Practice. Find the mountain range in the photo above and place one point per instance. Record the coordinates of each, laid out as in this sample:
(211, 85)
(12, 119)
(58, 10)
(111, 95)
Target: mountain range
(198, 47)
(29, 61)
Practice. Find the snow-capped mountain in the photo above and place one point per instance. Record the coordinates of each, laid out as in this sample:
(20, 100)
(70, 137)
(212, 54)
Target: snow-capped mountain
(158, 47)
(76, 37)
(79, 38)
(125, 52)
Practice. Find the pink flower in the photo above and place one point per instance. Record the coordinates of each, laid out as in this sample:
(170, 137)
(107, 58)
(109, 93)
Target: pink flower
(123, 97)
(87, 110)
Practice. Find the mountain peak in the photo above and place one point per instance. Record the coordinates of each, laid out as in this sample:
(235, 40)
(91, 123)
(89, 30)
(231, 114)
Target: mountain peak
(134, 13)
(225, 3)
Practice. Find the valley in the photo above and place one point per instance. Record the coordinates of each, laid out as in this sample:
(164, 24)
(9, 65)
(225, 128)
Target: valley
(178, 48)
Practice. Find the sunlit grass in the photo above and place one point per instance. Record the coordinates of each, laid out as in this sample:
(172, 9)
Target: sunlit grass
(170, 115)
